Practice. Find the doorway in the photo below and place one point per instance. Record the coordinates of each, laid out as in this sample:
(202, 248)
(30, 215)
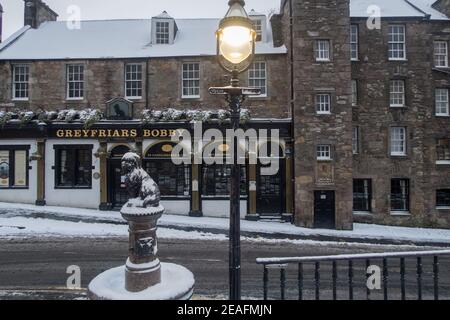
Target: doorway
(117, 192)
(324, 210)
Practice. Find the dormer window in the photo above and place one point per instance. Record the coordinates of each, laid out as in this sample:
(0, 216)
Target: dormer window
(162, 32)
(164, 29)
(260, 23)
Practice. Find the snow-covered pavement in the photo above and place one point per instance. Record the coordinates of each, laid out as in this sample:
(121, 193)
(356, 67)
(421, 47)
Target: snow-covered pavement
(29, 220)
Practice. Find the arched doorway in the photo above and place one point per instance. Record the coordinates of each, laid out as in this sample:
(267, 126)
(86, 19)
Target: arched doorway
(271, 189)
(117, 193)
(174, 181)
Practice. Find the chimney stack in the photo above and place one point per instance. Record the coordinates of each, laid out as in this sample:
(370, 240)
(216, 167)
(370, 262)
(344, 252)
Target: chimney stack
(37, 12)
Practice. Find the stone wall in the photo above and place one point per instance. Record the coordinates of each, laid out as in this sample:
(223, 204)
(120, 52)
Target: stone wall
(312, 20)
(374, 117)
(104, 80)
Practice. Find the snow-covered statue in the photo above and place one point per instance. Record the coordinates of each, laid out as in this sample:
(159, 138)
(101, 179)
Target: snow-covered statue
(143, 190)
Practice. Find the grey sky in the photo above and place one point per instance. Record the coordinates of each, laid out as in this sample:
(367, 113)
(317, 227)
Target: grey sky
(129, 9)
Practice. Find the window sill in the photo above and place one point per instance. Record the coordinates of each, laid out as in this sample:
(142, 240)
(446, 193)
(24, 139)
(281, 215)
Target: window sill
(443, 116)
(362, 213)
(442, 208)
(133, 98)
(21, 99)
(324, 160)
(355, 60)
(323, 113)
(323, 61)
(443, 162)
(74, 99)
(261, 97)
(400, 213)
(190, 97)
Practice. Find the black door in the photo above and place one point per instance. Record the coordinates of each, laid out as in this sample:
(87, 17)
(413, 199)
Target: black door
(324, 210)
(118, 194)
(270, 193)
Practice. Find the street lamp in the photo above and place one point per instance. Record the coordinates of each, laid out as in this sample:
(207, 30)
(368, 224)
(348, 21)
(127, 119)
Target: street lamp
(236, 38)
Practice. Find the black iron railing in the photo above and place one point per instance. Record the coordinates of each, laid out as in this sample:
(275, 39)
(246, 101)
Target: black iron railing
(393, 268)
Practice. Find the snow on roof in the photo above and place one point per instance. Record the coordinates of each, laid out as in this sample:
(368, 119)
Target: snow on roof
(396, 8)
(255, 13)
(163, 15)
(118, 39)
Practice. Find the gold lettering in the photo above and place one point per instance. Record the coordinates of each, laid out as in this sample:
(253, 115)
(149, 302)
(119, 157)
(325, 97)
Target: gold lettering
(109, 133)
(86, 133)
(147, 133)
(133, 133)
(77, 133)
(155, 133)
(172, 133)
(125, 133)
(102, 134)
(60, 133)
(94, 133)
(163, 133)
(69, 134)
(116, 134)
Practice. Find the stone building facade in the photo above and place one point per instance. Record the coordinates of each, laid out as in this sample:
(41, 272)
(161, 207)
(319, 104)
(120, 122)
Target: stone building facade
(362, 101)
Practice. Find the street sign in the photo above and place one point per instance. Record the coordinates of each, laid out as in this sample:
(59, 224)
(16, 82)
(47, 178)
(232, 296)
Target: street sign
(235, 90)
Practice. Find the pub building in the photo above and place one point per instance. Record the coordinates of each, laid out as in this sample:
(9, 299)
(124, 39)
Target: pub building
(363, 111)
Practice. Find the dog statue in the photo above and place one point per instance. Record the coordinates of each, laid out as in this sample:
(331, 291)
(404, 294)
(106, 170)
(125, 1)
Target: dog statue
(141, 187)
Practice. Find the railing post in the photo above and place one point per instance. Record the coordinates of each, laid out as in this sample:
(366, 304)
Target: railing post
(300, 281)
(266, 281)
(335, 276)
(419, 278)
(402, 278)
(436, 277)
(317, 280)
(385, 278)
(350, 279)
(283, 283)
(367, 280)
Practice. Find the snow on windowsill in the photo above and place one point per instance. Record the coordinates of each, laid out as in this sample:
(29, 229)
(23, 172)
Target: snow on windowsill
(443, 162)
(401, 213)
(442, 208)
(363, 213)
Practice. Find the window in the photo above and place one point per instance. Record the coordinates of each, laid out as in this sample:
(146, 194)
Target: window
(443, 198)
(362, 195)
(323, 152)
(75, 82)
(162, 32)
(355, 140)
(217, 180)
(354, 93)
(400, 195)
(322, 50)
(398, 141)
(13, 167)
(258, 28)
(397, 47)
(323, 103)
(21, 78)
(397, 93)
(354, 42)
(443, 150)
(133, 81)
(442, 103)
(257, 77)
(441, 54)
(73, 166)
(191, 80)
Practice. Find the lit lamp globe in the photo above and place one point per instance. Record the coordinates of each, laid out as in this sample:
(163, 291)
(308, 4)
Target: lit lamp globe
(236, 38)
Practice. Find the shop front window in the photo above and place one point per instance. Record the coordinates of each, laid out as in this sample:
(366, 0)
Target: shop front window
(73, 166)
(13, 167)
(217, 180)
(173, 180)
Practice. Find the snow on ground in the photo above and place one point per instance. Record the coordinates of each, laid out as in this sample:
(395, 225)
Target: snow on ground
(16, 215)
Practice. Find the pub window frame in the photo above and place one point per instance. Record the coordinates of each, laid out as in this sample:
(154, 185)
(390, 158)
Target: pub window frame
(21, 82)
(257, 77)
(215, 196)
(354, 42)
(322, 50)
(12, 166)
(73, 161)
(442, 99)
(75, 75)
(440, 53)
(366, 195)
(190, 80)
(402, 196)
(397, 42)
(133, 81)
(446, 204)
(323, 152)
(187, 176)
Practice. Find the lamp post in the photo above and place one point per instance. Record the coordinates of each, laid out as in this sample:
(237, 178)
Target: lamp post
(235, 51)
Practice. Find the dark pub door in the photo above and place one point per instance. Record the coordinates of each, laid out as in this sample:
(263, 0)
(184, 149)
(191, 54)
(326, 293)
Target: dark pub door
(324, 210)
(117, 192)
(270, 193)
